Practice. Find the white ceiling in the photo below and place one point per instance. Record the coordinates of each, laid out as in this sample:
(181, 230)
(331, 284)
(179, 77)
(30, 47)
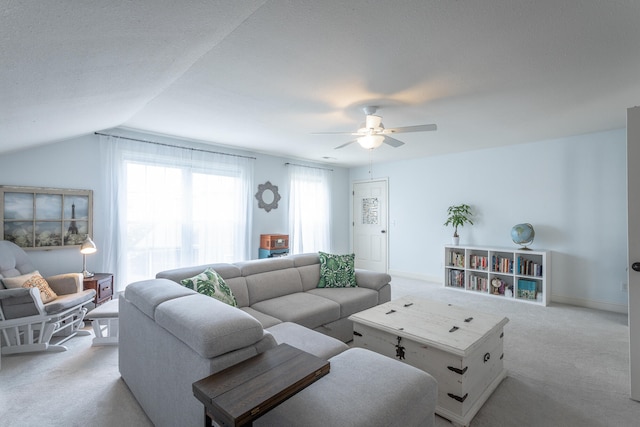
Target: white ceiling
(263, 75)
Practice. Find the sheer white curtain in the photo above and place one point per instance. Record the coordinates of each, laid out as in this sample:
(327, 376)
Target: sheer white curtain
(173, 207)
(309, 209)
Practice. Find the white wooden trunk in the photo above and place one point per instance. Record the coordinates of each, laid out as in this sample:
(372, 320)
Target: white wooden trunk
(467, 362)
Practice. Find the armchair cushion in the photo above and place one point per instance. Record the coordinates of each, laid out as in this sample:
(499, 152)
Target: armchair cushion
(64, 302)
(32, 280)
(20, 302)
(67, 283)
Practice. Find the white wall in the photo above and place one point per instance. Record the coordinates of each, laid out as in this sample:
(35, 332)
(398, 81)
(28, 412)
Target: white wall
(572, 190)
(75, 163)
(273, 169)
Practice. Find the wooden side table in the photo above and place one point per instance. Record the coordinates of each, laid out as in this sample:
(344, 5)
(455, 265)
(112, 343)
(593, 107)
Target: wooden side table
(102, 283)
(242, 393)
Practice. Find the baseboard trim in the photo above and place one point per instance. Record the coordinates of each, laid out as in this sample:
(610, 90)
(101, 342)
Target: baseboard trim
(598, 305)
(415, 276)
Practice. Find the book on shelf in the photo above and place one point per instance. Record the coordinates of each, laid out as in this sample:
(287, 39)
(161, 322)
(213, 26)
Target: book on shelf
(478, 262)
(501, 264)
(528, 267)
(456, 278)
(477, 283)
(456, 259)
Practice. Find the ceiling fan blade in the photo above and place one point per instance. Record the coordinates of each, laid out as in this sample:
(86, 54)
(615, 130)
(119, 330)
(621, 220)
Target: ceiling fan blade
(345, 144)
(417, 128)
(392, 141)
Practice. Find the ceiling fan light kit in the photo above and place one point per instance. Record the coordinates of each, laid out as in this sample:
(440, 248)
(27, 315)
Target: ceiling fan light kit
(370, 142)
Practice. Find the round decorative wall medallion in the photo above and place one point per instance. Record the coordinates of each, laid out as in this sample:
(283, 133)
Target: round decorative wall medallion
(267, 196)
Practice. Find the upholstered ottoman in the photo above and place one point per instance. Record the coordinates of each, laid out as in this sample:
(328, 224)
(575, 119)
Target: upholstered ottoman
(362, 389)
(104, 319)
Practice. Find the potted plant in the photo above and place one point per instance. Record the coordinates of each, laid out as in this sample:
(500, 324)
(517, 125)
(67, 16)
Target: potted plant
(458, 216)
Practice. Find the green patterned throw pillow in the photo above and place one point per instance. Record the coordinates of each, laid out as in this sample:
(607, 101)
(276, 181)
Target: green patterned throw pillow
(210, 283)
(337, 271)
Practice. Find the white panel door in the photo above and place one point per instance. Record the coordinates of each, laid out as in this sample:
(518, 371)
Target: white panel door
(370, 207)
(633, 200)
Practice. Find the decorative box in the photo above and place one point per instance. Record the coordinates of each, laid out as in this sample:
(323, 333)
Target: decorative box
(274, 241)
(526, 289)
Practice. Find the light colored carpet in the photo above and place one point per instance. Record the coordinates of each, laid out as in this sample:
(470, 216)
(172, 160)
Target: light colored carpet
(567, 366)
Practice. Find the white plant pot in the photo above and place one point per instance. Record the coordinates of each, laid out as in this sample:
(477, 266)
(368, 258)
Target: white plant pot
(455, 241)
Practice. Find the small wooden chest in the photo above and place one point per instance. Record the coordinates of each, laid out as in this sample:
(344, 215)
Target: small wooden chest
(274, 241)
(462, 349)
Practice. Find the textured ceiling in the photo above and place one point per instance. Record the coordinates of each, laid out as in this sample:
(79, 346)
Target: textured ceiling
(264, 75)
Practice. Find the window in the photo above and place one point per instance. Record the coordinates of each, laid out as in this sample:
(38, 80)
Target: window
(309, 209)
(179, 209)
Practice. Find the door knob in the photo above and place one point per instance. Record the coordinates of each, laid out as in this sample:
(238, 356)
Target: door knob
(635, 266)
(384, 231)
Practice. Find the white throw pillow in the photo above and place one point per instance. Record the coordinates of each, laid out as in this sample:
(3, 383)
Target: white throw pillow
(31, 280)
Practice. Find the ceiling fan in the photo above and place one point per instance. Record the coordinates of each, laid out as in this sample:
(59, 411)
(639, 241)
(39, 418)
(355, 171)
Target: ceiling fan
(372, 132)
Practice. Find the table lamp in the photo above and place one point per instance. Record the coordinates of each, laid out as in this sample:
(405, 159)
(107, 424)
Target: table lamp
(87, 247)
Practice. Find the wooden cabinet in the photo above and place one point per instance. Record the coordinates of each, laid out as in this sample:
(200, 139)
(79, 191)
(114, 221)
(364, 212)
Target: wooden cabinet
(102, 283)
(519, 275)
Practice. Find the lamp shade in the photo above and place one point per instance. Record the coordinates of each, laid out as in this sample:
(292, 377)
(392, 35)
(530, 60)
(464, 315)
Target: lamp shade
(88, 247)
(370, 141)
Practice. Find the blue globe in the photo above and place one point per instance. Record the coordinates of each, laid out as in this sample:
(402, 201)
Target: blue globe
(523, 234)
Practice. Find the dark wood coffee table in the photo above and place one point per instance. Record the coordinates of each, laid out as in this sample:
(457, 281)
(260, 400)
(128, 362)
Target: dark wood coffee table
(241, 393)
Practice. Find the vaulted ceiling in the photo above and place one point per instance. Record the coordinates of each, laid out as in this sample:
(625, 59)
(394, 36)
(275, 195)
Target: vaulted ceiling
(264, 75)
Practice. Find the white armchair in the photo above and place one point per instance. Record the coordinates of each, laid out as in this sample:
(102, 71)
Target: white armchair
(26, 323)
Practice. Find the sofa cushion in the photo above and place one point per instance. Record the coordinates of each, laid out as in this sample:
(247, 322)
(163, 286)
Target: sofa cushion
(208, 326)
(305, 339)
(227, 271)
(266, 320)
(310, 275)
(337, 271)
(302, 308)
(301, 260)
(149, 294)
(273, 284)
(238, 286)
(211, 284)
(32, 280)
(351, 300)
(257, 266)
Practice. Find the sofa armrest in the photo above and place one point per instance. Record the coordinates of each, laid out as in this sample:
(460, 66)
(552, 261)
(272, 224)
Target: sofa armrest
(371, 279)
(65, 284)
(20, 302)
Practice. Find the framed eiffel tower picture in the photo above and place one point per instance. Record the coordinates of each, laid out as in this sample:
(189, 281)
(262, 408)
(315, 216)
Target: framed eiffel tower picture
(36, 218)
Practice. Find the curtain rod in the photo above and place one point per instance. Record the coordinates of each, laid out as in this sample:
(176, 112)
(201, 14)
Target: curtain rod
(310, 167)
(175, 146)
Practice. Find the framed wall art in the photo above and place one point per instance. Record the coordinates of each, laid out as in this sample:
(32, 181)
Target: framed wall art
(45, 218)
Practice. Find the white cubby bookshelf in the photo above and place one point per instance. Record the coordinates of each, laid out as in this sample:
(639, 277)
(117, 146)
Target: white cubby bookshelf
(518, 275)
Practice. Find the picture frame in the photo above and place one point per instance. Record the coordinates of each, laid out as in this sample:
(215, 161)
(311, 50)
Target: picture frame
(45, 218)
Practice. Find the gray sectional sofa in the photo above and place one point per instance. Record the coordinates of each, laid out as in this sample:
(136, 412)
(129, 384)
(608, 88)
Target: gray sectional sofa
(285, 289)
(171, 336)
